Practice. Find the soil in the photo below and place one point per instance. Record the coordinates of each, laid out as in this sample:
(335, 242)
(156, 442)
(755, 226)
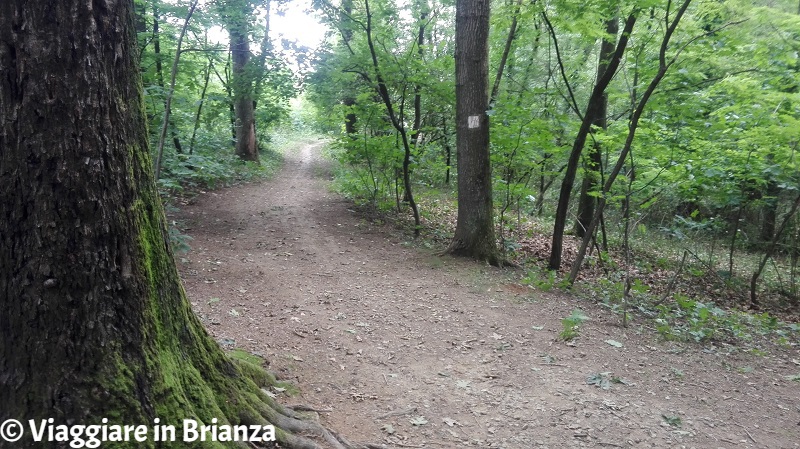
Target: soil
(393, 344)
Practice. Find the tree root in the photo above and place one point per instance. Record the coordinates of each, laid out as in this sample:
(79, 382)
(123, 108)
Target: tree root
(293, 430)
(457, 248)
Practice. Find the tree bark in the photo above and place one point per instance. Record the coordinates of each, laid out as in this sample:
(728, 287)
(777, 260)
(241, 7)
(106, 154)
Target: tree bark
(95, 322)
(348, 100)
(237, 15)
(474, 236)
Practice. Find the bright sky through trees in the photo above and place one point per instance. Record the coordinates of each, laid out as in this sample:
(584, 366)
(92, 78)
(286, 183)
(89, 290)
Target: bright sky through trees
(293, 22)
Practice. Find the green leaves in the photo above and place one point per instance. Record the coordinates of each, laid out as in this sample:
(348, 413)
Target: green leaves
(605, 380)
(572, 324)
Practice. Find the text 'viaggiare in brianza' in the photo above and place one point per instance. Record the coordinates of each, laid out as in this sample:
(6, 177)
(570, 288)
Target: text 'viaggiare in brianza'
(94, 435)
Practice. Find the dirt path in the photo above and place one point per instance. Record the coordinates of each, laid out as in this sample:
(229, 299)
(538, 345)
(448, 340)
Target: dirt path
(412, 350)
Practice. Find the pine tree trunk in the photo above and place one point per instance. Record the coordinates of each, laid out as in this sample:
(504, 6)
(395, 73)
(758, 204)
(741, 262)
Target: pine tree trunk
(474, 236)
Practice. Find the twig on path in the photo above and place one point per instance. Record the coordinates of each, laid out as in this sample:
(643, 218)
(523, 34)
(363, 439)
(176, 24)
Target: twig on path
(476, 420)
(747, 432)
(407, 445)
(306, 408)
(400, 412)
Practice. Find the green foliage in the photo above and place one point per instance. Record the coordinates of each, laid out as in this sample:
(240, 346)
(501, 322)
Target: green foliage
(199, 147)
(714, 154)
(418, 81)
(371, 169)
(672, 420)
(571, 325)
(701, 322)
(544, 280)
(203, 170)
(605, 380)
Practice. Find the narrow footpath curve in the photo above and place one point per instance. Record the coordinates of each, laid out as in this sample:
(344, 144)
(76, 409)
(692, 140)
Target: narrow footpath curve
(398, 346)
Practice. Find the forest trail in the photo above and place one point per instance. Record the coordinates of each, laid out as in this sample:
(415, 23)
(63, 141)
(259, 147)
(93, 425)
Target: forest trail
(397, 346)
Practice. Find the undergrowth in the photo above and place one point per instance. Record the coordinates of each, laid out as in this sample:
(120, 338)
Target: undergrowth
(703, 304)
(188, 173)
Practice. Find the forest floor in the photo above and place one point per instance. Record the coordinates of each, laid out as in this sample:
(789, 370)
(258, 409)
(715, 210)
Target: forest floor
(396, 345)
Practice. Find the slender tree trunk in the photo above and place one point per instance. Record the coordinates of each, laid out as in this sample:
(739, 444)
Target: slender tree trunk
(770, 208)
(160, 75)
(417, 120)
(512, 32)
(770, 211)
(633, 125)
(226, 82)
(396, 121)
(475, 234)
(594, 164)
(417, 124)
(348, 100)
(200, 104)
(140, 21)
(171, 92)
(261, 69)
(448, 151)
(593, 109)
(266, 52)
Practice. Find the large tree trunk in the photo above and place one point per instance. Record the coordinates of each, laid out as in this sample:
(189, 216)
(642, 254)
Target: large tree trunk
(348, 100)
(95, 322)
(243, 86)
(474, 236)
